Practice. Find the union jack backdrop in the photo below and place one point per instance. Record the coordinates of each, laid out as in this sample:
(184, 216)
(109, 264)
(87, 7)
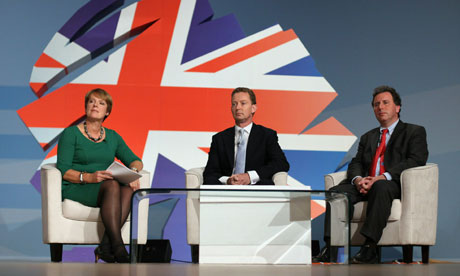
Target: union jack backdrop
(170, 68)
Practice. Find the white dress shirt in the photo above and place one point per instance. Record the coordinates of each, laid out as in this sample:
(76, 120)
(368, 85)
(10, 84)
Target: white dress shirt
(387, 138)
(254, 177)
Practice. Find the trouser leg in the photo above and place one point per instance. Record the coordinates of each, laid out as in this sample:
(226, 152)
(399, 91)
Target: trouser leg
(353, 197)
(380, 198)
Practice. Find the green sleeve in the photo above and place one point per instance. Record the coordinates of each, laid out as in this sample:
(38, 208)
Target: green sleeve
(123, 152)
(66, 150)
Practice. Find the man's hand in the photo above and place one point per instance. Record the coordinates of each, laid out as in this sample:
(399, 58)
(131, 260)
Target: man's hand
(365, 184)
(239, 179)
(359, 184)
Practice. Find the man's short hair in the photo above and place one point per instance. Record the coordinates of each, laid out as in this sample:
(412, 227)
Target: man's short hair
(392, 91)
(252, 96)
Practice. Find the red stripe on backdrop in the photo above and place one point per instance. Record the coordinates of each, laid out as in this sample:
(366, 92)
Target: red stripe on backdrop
(137, 109)
(146, 55)
(205, 149)
(39, 88)
(290, 111)
(245, 52)
(58, 109)
(46, 61)
(316, 209)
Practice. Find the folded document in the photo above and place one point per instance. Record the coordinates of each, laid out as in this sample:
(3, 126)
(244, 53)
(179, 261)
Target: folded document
(123, 174)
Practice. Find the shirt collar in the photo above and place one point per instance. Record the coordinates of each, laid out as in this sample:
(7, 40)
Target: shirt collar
(390, 128)
(247, 128)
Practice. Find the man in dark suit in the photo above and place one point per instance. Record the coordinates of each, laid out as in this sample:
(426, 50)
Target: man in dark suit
(246, 153)
(374, 173)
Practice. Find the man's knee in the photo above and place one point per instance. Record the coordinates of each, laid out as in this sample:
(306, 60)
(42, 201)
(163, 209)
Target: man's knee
(343, 188)
(381, 185)
(385, 186)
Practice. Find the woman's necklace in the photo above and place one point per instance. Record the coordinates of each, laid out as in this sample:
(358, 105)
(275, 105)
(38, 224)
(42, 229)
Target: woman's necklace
(89, 136)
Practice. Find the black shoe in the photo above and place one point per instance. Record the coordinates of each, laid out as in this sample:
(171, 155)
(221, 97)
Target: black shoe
(366, 255)
(106, 256)
(326, 255)
(104, 251)
(121, 255)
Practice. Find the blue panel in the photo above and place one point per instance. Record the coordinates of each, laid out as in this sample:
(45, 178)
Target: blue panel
(11, 123)
(19, 196)
(207, 34)
(309, 167)
(15, 97)
(302, 67)
(20, 147)
(22, 241)
(169, 174)
(159, 215)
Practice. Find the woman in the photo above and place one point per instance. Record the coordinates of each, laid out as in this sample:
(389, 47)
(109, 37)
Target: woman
(84, 153)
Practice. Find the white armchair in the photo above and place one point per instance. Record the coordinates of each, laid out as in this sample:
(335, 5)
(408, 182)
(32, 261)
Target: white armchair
(413, 219)
(69, 222)
(193, 180)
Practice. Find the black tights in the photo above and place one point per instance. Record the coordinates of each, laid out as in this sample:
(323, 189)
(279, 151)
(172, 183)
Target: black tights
(114, 201)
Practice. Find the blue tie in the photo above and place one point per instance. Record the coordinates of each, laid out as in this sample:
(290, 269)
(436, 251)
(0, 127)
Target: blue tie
(240, 153)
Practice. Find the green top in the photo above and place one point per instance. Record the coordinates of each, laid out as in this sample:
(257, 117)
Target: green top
(77, 152)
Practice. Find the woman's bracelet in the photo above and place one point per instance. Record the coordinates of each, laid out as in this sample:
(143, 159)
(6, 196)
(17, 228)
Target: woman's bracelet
(81, 178)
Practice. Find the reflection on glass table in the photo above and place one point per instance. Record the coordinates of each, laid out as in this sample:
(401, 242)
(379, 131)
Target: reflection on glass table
(244, 224)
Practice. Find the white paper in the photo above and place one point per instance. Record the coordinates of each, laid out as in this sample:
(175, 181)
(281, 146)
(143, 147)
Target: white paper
(122, 174)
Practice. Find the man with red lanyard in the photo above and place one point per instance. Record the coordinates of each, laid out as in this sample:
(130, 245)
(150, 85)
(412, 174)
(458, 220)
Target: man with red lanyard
(373, 175)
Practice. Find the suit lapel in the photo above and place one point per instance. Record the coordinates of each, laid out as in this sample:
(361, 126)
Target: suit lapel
(229, 140)
(398, 129)
(252, 143)
(374, 140)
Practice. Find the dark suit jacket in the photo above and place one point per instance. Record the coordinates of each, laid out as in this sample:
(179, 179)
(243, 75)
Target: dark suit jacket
(406, 148)
(263, 154)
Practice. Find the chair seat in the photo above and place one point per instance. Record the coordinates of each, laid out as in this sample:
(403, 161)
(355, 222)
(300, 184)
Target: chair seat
(359, 214)
(76, 211)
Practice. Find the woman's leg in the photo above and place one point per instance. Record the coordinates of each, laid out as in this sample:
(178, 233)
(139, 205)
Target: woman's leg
(109, 203)
(125, 203)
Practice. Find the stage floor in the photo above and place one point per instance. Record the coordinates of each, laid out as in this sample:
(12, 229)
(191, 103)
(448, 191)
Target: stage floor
(86, 269)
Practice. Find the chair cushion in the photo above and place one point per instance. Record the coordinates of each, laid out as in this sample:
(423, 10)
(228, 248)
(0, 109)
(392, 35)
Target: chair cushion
(359, 214)
(76, 211)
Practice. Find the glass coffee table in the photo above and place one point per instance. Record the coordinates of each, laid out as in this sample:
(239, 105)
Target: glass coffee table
(245, 224)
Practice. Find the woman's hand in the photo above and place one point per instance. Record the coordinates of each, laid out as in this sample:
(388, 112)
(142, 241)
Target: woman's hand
(135, 185)
(97, 176)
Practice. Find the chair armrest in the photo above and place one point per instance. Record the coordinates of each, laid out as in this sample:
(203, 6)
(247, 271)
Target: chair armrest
(143, 209)
(51, 195)
(194, 178)
(419, 188)
(144, 181)
(333, 179)
(419, 199)
(51, 182)
(280, 178)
